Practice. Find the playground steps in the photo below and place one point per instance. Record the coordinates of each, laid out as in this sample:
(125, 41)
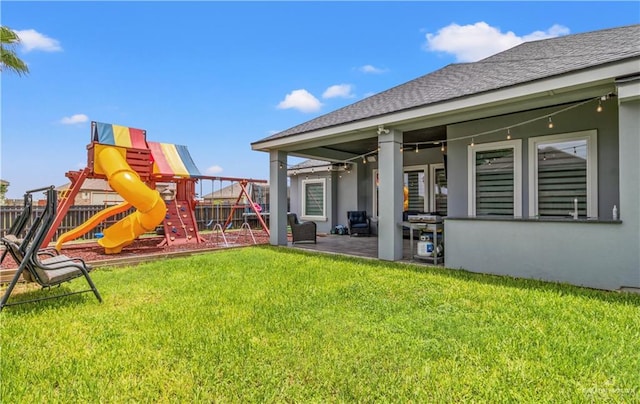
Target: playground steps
(179, 224)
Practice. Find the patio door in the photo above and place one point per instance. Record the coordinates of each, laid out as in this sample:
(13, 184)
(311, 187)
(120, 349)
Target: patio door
(415, 189)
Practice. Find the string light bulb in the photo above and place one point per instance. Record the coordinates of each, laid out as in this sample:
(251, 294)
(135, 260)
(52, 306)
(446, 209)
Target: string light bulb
(417, 148)
(442, 147)
(364, 160)
(550, 125)
(599, 108)
(472, 142)
(508, 133)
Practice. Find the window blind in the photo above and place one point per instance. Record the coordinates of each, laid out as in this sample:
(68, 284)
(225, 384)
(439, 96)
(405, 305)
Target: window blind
(314, 199)
(562, 177)
(440, 191)
(494, 182)
(414, 180)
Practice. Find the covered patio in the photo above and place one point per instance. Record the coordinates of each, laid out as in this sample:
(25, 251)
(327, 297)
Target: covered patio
(530, 156)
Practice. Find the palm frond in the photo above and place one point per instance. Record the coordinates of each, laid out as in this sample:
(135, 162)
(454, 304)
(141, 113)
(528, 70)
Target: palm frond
(10, 61)
(8, 58)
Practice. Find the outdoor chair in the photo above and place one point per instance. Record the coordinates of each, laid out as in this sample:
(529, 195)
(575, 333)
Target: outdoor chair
(358, 223)
(301, 231)
(50, 269)
(43, 266)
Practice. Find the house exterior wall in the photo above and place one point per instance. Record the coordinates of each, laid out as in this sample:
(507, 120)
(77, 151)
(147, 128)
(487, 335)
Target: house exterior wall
(579, 119)
(600, 253)
(629, 94)
(349, 187)
(355, 190)
(581, 253)
(331, 188)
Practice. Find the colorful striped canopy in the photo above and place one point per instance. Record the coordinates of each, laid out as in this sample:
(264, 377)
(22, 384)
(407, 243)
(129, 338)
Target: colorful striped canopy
(116, 135)
(173, 160)
(168, 159)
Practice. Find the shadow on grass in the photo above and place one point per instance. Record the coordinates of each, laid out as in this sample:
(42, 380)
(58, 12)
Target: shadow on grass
(20, 301)
(486, 279)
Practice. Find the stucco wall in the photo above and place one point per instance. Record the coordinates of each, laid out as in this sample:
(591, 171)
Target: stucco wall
(600, 254)
(337, 183)
(581, 253)
(579, 119)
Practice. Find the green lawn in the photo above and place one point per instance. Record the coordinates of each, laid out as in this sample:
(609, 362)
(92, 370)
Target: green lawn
(265, 324)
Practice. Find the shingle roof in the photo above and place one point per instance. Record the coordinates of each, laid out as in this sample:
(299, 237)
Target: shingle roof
(309, 164)
(89, 184)
(526, 62)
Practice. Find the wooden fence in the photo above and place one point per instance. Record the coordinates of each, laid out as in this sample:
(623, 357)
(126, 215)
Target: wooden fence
(207, 216)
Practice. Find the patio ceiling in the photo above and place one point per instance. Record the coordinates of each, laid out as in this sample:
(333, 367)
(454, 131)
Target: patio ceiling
(340, 151)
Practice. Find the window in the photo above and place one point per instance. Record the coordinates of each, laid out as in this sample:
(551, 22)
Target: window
(563, 175)
(495, 183)
(438, 189)
(313, 199)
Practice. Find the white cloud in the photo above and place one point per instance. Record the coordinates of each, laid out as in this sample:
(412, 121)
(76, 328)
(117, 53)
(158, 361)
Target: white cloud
(30, 39)
(302, 100)
(554, 31)
(470, 43)
(213, 170)
(371, 69)
(73, 119)
(339, 90)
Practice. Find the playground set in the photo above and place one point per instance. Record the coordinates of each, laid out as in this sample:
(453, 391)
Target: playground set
(134, 167)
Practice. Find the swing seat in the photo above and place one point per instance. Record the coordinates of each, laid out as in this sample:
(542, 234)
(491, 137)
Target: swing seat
(43, 266)
(51, 271)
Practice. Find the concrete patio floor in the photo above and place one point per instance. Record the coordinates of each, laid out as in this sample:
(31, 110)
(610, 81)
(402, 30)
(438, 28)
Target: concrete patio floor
(358, 246)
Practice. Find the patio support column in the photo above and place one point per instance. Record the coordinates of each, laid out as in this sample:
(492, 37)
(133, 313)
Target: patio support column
(390, 195)
(629, 150)
(278, 197)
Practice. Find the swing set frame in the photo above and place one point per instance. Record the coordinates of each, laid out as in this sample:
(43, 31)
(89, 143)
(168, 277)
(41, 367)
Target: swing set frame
(244, 193)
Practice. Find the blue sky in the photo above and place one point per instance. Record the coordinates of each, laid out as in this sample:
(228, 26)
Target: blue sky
(216, 76)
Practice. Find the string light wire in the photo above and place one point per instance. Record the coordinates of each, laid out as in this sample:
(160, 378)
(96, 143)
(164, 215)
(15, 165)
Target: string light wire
(403, 147)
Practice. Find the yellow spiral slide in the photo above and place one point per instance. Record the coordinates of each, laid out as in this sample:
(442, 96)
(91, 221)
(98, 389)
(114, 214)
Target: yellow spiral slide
(150, 212)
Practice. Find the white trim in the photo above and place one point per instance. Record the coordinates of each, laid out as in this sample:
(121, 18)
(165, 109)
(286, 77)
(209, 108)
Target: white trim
(516, 145)
(591, 136)
(432, 184)
(322, 181)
